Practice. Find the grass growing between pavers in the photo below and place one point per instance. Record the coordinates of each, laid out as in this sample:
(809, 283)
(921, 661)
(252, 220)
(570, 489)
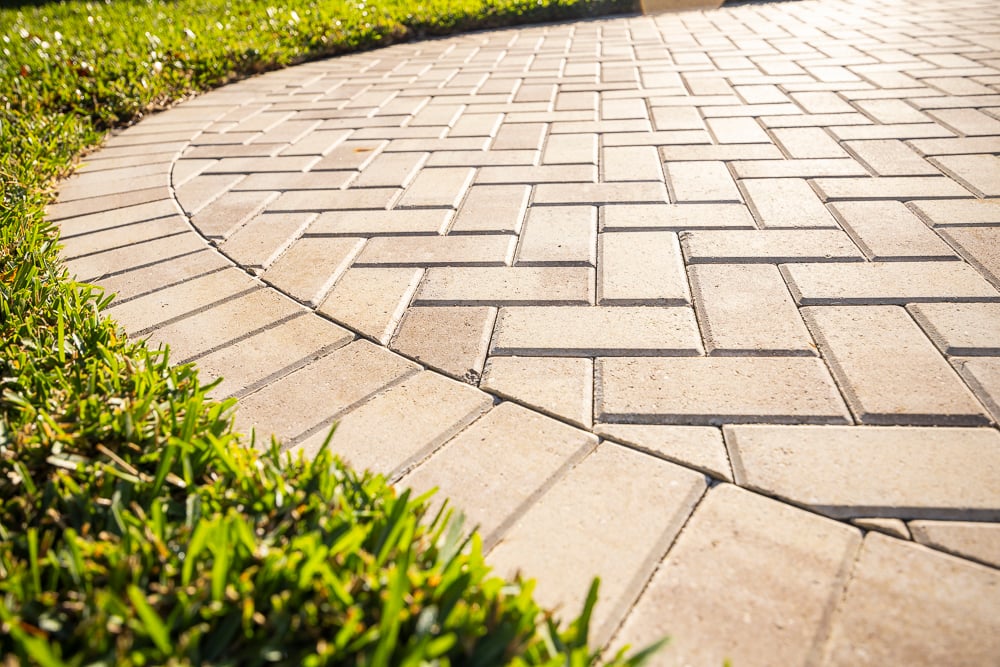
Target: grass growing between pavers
(134, 527)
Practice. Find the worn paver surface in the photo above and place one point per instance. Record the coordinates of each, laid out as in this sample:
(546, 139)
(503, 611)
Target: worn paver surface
(707, 304)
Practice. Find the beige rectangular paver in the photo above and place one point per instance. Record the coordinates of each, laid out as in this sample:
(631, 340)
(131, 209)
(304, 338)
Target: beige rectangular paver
(806, 168)
(156, 308)
(429, 408)
(640, 268)
(786, 203)
(492, 208)
(496, 468)
(891, 157)
(326, 259)
(525, 285)
(556, 540)
(888, 230)
(333, 200)
(451, 340)
(959, 212)
(223, 216)
(978, 173)
(311, 396)
(442, 187)
(631, 163)
(961, 329)
(250, 363)
(885, 283)
(559, 236)
(888, 370)
(372, 300)
(697, 447)
(566, 331)
(703, 181)
(887, 187)
(738, 130)
(750, 580)
(552, 173)
(390, 170)
(261, 240)
(808, 142)
(560, 386)
(769, 246)
(424, 251)
(974, 540)
(519, 136)
(877, 471)
(970, 122)
(570, 149)
(674, 217)
(716, 390)
(747, 310)
(600, 193)
(910, 605)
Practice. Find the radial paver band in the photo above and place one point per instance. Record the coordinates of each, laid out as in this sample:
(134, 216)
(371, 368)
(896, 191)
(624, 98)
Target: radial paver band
(703, 303)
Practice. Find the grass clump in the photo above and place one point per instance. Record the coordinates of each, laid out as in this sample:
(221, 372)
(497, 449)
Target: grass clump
(134, 527)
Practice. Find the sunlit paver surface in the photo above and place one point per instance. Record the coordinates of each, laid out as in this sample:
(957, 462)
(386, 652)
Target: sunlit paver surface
(706, 304)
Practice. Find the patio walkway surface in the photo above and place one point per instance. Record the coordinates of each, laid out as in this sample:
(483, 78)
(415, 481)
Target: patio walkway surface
(705, 304)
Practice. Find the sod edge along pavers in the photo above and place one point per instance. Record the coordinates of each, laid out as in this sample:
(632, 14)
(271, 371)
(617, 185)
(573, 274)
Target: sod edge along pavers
(495, 261)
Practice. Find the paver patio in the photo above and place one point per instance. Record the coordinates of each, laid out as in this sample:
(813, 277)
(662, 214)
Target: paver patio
(707, 304)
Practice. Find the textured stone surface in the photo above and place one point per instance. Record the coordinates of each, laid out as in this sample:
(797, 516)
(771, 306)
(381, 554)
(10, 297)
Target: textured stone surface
(554, 540)
(698, 447)
(969, 539)
(908, 604)
(869, 472)
(888, 370)
(961, 329)
(563, 387)
(451, 340)
(749, 580)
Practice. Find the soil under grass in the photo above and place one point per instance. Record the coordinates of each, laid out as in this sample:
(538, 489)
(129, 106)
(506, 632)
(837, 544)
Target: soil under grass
(135, 528)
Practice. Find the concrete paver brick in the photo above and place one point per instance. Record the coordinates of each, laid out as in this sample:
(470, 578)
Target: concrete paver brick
(149, 277)
(223, 216)
(563, 387)
(674, 217)
(758, 319)
(570, 149)
(701, 182)
(982, 374)
(821, 102)
(677, 118)
(268, 354)
(888, 187)
(500, 465)
(893, 527)
(786, 203)
(317, 142)
(140, 315)
(755, 169)
(519, 136)
(553, 540)
(425, 251)
(909, 604)
(526, 285)
(313, 395)
(600, 193)
(660, 138)
(726, 152)
(640, 268)
(959, 212)
(194, 195)
(961, 329)
(888, 231)
(451, 340)
(329, 256)
(492, 208)
(559, 236)
(889, 372)
(440, 187)
(390, 170)
(350, 154)
(426, 222)
(749, 579)
(968, 539)
(520, 158)
(372, 300)
(957, 146)
(429, 408)
(969, 122)
(902, 131)
(716, 390)
(631, 163)
(888, 112)
(101, 240)
(315, 180)
(476, 125)
(575, 173)
(980, 246)
(738, 130)
(891, 157)
(769, 246)
(568, 331)
(876, 471)
(807, 142)
(261, 240)
(697, 447)
(223, 323)
(886, 283)
(333, 200)
(979, 173)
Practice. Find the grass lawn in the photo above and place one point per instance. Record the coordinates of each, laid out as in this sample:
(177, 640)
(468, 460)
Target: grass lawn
(134, 527)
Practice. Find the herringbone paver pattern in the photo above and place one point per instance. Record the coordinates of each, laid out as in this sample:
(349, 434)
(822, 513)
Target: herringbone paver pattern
(590, 278)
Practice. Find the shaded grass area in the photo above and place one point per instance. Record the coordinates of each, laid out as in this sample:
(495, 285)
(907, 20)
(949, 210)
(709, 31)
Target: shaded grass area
(134, 527)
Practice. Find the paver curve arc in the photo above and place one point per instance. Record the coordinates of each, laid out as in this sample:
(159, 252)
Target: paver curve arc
(704, 303)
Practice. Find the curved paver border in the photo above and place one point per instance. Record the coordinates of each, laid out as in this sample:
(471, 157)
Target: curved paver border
(727, 571)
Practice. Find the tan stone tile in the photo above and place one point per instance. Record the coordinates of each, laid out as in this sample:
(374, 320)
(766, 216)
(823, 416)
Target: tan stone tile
(697, 447)
(563, 387)
(451, 340)
(967, 539)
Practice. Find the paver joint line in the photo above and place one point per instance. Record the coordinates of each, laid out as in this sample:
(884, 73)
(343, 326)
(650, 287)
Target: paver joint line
(759, 243)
